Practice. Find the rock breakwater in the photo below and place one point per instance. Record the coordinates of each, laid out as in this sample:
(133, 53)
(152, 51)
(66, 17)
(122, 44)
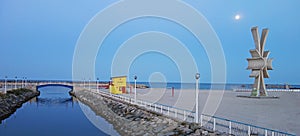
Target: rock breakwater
(129, 119)
(14, 99)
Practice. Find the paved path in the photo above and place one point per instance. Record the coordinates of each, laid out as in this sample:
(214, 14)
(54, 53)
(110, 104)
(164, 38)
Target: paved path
(280, 114)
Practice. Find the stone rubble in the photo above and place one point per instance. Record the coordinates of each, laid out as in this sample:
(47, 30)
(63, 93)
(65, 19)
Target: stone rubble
(129, 119)
(14, 99)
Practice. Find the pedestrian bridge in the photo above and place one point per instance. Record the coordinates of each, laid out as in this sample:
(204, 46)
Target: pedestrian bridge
(51, 84)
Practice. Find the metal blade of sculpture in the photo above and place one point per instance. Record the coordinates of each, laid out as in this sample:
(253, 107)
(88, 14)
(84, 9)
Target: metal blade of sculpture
(259, 64)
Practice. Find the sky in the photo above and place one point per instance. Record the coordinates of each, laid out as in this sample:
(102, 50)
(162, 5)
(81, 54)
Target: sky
(38, 39)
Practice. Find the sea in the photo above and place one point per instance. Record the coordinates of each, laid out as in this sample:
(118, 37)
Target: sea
(207, 86)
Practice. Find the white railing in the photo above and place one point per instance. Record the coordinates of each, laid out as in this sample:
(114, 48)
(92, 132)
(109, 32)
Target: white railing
(207, 121)
(269, 90)
(237, 128)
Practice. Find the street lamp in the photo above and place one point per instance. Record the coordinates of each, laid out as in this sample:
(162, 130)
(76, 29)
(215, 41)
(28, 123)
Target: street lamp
(16, 82)
(25, 81)
(110, 86)
(83, 82)
(5, 88)
(197, 76)
(89, 83)
(135, 77)
(97, 83)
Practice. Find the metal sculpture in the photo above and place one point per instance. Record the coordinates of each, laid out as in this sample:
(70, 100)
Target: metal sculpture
(259, 63)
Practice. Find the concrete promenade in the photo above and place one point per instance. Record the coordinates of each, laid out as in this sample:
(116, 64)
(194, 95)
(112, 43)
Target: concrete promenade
(281, 114)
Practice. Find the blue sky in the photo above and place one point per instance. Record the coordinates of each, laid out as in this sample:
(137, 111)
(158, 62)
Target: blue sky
(38, 38)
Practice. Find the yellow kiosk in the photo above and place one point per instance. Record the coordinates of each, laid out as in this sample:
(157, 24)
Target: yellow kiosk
(118, 85)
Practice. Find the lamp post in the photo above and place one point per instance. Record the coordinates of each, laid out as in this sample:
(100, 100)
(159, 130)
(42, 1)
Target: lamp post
(197, 76)
(25, 81)
(5, 88)
(83, 82)
(16, 82)
(97, 83)
(89, 83)
(21, 82)
(135, 77)
(110, 86)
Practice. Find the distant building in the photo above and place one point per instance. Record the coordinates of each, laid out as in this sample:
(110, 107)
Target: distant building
(118, 85)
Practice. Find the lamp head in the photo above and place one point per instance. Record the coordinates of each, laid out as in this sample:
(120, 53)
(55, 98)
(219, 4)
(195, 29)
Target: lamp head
(197, 76)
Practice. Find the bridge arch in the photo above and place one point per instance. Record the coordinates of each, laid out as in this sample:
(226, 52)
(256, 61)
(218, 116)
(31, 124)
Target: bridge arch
(46, 85)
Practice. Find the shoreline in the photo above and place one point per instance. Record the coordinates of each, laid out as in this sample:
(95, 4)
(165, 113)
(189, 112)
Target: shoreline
(13, 100)
(130, 119)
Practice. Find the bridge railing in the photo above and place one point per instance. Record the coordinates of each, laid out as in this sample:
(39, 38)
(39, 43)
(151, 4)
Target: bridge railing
(207, 121)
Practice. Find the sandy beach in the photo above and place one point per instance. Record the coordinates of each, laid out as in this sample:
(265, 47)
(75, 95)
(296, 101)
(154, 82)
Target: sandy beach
(281, 114)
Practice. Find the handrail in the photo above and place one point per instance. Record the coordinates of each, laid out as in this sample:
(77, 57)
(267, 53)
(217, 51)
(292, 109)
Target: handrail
(234, 121)
(269, 90)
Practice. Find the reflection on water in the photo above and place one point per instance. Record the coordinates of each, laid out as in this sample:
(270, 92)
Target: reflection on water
(54, 112)
(53, 102)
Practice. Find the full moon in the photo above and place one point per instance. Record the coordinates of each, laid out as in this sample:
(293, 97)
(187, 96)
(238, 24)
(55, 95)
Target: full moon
(237, 17)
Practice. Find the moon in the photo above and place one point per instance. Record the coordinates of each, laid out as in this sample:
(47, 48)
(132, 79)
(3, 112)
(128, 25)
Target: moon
(237, 17)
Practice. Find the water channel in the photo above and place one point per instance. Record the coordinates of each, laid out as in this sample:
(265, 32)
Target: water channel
(55, 112)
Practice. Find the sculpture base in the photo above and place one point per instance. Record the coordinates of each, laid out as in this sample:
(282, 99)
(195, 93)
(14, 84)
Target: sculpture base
(258, 97)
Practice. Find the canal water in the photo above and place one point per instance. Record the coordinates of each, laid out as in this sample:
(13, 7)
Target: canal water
(55, 112)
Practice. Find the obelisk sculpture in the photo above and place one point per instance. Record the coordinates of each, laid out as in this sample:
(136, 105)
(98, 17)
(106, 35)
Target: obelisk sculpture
(259, 63)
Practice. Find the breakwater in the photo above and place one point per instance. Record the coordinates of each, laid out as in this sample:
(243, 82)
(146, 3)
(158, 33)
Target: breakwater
(14, 99)
(129, 119)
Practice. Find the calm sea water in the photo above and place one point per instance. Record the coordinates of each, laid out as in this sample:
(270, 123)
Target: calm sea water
(205, 86)
(54, 113)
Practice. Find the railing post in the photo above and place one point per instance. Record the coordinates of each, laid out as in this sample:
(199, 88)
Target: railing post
(214, 124)
(273, 133)
(195, 118)
(161, 111)
(201, 119)
(249, 131)
(175, 113)
(266, 132)
(184, 115)
(229, 127)
(168, 111)
(154, 107)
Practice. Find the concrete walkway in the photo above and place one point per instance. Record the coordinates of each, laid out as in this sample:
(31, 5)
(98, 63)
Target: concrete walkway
(281, 114)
